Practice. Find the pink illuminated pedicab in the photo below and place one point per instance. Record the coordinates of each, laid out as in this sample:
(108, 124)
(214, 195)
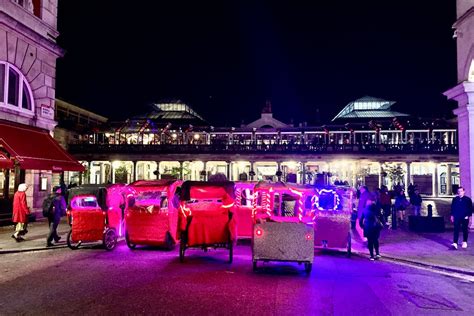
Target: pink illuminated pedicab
(243, 208)
(333, 209)
(282, 231)
(151, 216)
(206, 216)
(95, 214)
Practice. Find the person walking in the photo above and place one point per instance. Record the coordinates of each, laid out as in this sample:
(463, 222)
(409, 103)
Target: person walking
(461, 213)
(20, 212)
(364, 195)
(54, 217)
(401, 204)
(416, 201)
(385, 203)
(372, 225)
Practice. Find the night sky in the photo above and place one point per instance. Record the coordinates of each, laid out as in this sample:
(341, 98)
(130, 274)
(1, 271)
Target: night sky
(225, 58)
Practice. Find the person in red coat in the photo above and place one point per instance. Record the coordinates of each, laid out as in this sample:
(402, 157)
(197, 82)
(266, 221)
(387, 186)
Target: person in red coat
(20, 212)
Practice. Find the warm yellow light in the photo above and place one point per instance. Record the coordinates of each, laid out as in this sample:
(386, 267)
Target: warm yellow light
(174, 135)
(196, 136)
(116, 164)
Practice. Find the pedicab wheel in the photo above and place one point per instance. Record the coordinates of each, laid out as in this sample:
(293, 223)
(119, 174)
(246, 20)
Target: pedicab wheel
(308, 266)
(169, 244)
(182, 248)
(129, 243)
(254, 264)
(349, 244)
(110, 239)
(70, 243)
(231, 252)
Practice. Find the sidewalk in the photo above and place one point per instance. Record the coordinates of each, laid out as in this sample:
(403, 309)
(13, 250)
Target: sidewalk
(34, 240)
(427, 249)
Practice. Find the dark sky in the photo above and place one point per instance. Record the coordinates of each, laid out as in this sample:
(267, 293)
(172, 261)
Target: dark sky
(225, 58)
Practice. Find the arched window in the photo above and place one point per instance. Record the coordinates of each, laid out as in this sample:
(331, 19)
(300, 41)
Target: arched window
(15, 92)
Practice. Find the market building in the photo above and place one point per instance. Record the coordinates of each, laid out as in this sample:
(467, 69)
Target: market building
(28, 53)
(367, 143)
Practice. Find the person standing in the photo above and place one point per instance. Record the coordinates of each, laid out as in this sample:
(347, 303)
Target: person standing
(54, 217)
(371, 224)
(20, 212)
(401, 204)
(385, 203)
(461, 213)
(416, 201)
(364, 195)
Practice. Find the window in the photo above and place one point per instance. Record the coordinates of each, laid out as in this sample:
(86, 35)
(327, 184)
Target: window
(14, 89)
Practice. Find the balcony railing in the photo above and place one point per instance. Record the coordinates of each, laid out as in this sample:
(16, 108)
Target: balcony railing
(262, 149)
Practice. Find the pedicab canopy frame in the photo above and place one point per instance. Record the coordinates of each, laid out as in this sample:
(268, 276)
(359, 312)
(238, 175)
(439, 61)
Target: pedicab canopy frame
(151, 215)
(333, 208)
(206, 216)
(282, 231)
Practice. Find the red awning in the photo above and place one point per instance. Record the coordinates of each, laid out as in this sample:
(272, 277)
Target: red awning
(5, 162)
(34, 148)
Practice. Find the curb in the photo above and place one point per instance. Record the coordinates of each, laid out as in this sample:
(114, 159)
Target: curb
(417, 263)
(9, 251)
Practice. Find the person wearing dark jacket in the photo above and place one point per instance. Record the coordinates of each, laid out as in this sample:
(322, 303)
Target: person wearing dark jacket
(54, 217)
(416, 201)
(371, 224)
(461, 212)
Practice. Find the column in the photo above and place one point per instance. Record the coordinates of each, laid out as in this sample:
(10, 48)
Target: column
(181, 171)
(89, 165)
(279, 170)
(434, 180)
(102, 176)
(205, 171)
(112, 172)
(449, 184)
(463, 93)
(252, 166)
(229, 173)
(158, 174)
(408, 175)
(380, 174)
(303, 173)
(134, 170)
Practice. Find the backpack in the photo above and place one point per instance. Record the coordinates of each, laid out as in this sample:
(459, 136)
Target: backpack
(48, 206)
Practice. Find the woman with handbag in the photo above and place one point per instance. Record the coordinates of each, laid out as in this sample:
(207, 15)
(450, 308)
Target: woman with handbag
(401, 204)
(372, 225)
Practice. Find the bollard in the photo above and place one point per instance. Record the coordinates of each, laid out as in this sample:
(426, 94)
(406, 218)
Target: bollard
(394, 217)
(430, 210)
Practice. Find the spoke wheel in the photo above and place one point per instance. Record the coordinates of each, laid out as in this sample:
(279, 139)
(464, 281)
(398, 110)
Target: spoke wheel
(110, 239)
(70, 243)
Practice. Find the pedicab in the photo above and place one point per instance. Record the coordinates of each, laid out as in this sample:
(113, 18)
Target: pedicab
(281, 232)
(151, 215)
(95, 214)
(243, 208)
(333, 208)
(206, 216)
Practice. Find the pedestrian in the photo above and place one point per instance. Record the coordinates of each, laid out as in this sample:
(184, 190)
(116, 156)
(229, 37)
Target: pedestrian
(461, 213)
(385, 203)
(364, 195)
(416, 201)
(54, 217)
(372, 225)
(20, 213)
(401, 204)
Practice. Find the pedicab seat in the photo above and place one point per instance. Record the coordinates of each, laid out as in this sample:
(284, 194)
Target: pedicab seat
(209, 225)
(88, 224)
(147, 224)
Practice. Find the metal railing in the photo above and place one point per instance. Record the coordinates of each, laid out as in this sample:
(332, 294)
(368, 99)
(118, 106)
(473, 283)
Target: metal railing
(262, 149)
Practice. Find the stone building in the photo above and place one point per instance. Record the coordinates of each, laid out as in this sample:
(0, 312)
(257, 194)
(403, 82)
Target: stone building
(28, 53)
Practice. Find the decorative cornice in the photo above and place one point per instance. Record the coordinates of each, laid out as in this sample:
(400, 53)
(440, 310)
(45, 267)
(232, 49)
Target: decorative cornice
(26, 31)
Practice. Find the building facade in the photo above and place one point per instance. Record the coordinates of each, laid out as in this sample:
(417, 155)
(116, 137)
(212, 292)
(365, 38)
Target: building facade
(375, 151)
(28, 53)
